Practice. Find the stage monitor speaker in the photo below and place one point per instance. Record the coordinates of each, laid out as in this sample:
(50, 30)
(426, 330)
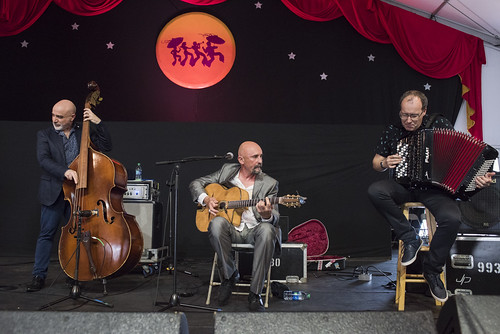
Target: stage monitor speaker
(472, 314)
(41, 322)
(149, 217)
(324, 322)
(481, 213)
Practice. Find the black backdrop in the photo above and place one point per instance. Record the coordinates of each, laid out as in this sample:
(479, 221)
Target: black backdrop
(318, 135)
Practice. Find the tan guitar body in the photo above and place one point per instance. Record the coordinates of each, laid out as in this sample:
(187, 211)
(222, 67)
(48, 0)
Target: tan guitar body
(222, 194)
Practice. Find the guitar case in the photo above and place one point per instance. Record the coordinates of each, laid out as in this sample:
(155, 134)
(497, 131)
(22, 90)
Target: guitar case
(314, 234)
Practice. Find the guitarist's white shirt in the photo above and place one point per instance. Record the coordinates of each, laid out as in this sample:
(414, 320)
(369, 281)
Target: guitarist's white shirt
(247, 218)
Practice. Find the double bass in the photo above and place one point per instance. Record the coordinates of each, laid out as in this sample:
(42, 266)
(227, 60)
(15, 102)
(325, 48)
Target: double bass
(110, 240)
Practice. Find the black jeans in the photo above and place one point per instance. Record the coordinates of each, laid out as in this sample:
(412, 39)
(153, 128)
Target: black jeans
(388, 195)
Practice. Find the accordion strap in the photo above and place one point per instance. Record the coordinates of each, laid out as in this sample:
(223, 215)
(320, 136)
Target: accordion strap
(431, 120)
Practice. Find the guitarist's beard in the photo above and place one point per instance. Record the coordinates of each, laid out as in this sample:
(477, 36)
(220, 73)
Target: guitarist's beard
(257, 169)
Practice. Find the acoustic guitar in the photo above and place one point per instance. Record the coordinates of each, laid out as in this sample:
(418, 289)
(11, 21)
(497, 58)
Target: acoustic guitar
(234, 201)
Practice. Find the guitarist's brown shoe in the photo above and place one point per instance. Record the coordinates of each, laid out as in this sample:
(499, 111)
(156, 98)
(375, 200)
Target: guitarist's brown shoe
(226, 288)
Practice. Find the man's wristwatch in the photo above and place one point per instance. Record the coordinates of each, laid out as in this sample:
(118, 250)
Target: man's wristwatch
(382, 166)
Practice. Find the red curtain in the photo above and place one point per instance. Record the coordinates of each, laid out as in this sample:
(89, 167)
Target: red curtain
(17, 16)
(204, 2)
(87, 7)
(428, 47)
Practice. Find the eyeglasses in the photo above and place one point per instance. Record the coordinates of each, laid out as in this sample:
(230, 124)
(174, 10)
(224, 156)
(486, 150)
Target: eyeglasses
(413, 117)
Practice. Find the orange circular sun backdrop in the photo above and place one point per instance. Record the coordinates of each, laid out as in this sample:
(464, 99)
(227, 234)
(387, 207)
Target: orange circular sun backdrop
(195, 50)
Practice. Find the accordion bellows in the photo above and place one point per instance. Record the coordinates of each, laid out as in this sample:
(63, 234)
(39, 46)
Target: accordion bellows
(444, 158)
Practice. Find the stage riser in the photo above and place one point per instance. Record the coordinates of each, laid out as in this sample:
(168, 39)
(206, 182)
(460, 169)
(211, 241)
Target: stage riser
(469, 315)
(324, 322)
(27, 322)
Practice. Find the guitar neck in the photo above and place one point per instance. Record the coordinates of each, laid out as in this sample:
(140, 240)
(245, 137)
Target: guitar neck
(250, 202)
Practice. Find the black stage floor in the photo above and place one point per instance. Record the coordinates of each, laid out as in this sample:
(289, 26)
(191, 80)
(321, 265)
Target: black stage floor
(332, 291)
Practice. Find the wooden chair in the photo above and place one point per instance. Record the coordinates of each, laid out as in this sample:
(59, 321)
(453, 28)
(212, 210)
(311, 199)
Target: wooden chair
(402, 277)
(237, 249)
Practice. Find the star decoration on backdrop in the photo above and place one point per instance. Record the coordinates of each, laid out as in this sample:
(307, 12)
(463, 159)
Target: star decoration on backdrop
(323, 76)
(24, 44)
(75, 26)
(427, 86)
(371, 57)
(291, 56)
(110, 45)
(258, 5)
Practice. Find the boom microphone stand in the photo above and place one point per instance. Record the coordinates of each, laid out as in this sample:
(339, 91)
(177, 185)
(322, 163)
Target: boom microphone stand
(75, 291)
(174, 298)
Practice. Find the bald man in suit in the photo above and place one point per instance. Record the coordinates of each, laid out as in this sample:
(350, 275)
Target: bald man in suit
(259, 224)
(57, 146)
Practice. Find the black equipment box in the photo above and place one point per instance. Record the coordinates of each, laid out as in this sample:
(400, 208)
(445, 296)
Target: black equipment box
(290, 266)
(473, 266)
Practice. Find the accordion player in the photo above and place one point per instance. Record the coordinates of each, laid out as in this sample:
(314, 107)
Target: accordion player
(445, 158)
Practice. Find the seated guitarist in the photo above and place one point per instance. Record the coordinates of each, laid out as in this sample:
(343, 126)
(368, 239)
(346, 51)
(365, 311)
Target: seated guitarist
(259, 224)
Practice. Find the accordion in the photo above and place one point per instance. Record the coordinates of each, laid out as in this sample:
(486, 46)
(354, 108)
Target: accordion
(445, 158)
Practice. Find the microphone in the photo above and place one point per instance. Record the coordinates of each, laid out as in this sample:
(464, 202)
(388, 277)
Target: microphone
(228, 156)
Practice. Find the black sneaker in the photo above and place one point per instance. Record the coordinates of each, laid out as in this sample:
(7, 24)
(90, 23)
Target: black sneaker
(226, 288)
(36, 284)
(436, 286)
(410, 251)
(255, 303)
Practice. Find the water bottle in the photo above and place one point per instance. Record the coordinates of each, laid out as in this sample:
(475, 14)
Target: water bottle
(295, 295)
(138, 172)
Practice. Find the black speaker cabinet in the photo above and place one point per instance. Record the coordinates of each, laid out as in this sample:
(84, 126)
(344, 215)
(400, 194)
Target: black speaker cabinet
(469, 314)
(285, 227)
(149, 217)
(481, 213)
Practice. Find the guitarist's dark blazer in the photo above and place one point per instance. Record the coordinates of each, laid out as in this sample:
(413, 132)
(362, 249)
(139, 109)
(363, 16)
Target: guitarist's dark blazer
(264, 186)
(50, 154)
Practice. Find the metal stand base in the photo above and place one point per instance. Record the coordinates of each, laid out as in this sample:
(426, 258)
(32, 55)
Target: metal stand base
(75, 293)
(176, 301)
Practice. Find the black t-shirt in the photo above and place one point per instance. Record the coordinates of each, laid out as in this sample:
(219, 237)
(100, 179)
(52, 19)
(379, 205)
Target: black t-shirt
(390, 137)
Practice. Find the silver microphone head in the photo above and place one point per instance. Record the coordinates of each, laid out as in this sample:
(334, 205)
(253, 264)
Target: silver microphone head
(229, 155)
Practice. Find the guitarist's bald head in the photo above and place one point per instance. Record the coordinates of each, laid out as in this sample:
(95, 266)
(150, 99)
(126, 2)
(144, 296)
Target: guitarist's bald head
(247, 146)
(250, 158)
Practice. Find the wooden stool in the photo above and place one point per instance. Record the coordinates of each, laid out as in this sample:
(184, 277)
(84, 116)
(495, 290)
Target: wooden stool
(402, 276)
(237, 249)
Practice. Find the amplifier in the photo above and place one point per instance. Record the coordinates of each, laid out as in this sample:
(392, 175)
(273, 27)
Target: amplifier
(144, 190)
(149, 217)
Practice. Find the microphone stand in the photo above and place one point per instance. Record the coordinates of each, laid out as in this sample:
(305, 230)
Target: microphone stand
(75, 291)
(175, 298)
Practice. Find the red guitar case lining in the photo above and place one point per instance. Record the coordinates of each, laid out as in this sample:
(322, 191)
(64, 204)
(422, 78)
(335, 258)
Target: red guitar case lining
(314, 234)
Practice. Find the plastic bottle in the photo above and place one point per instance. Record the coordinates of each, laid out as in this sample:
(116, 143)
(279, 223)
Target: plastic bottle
(138, 172)
(295, 295)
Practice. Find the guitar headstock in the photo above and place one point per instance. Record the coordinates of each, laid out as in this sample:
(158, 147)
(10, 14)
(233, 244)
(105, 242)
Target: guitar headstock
(94, 97)
(294, 201)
